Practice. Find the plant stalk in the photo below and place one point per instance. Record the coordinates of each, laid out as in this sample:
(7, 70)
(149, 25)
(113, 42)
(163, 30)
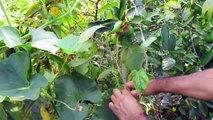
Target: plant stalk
(5, 13)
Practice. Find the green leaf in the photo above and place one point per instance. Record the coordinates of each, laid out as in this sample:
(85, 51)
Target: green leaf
(203, 108)
(44, 40)
(208, 5)
(80, 65)
(73, 89)
(122, 8)
(117, 27)
(11, 36)
(89, 33)
(102, 112)
(69, 44)
(104, 74)
(107, 7)
(149, 41)
(140, 79)
(168, 43)
(3, 113)
(206, 57)
(172, 42)
(165, 37)
(15, 84)
(134, 57)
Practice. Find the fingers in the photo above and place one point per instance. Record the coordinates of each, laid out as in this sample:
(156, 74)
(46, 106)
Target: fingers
(112, 107)
(116, 92)
(129, 86)
(113, 98)
(135, 93)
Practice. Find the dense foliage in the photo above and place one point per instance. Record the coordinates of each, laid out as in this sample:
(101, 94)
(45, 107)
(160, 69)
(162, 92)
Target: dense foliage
(61, 59)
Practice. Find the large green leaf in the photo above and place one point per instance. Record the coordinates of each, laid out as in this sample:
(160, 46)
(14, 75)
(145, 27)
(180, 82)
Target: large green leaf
(10, 36)
(73, 89)
(71, 44)
(44, 40)
(102, 112)
(134, 57)
(15, 84)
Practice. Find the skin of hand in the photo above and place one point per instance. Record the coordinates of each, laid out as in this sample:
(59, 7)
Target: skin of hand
(125, 106)
(197, 85)
(152, 88)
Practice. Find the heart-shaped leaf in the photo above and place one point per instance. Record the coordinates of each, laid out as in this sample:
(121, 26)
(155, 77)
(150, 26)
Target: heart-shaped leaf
(11, 36)
(14, 79)
(44, 40)
(73, 89)
(102, 112)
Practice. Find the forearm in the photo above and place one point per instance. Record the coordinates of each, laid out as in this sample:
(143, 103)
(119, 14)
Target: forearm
(198, 85)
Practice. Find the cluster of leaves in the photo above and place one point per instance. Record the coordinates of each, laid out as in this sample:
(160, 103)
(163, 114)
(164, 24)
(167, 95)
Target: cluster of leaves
(62, 58)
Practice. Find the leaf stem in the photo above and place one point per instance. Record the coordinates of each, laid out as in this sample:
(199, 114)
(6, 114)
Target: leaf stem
(5, 13)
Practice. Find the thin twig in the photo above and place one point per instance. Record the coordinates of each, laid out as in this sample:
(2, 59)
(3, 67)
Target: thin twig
(116, 63)
(193, 45)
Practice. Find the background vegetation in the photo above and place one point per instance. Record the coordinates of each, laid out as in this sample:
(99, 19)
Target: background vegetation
(60, 59)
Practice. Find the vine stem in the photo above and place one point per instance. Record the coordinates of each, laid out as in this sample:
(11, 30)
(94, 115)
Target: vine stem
(145, 49)
(5, 13)
(58, 18)
(193, 45)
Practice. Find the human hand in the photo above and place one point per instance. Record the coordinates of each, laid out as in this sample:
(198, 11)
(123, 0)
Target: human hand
(152, 88)
(125, 106)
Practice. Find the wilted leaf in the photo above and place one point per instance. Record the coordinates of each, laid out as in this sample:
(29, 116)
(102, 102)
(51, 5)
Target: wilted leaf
(54, 11)
(168, 63)
(44, 113)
